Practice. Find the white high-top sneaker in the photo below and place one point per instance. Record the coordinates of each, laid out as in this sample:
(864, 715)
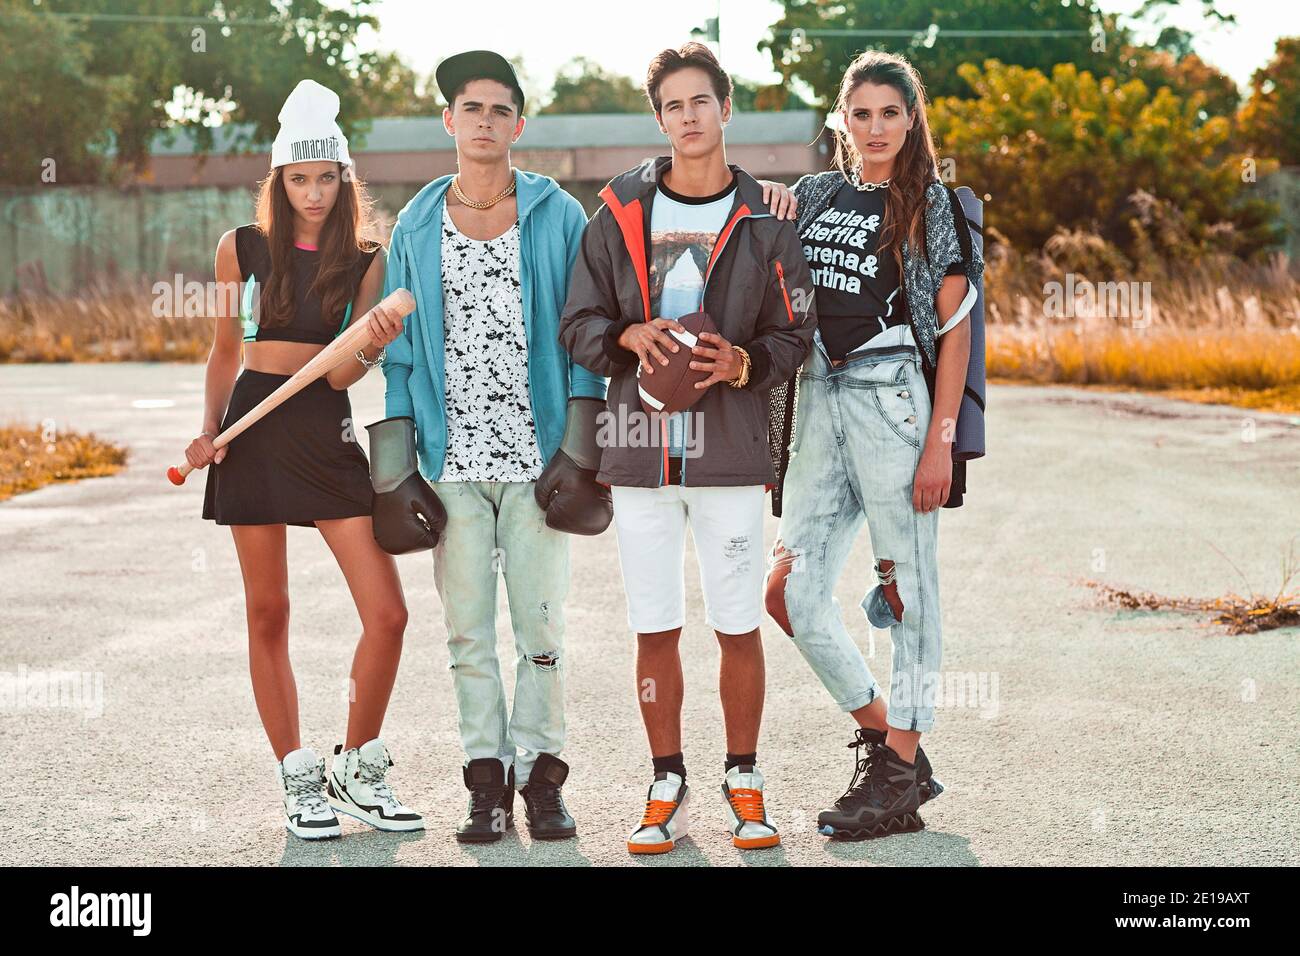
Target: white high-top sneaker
(306, 810)
(357, 787)
(666, 816)
(742, 792)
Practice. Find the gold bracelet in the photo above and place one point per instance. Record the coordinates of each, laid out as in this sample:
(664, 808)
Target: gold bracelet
(743, 378)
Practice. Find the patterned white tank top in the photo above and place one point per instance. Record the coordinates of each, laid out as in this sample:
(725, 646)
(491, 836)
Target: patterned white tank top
(491, 435)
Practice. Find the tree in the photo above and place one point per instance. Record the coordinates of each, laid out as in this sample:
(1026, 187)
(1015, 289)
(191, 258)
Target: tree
(167, 64)
(1270, 120)
(1171, 61)
(1184, 74)
(53, 132)
(584, 86)
(396, 90)
(820, 59)
(1072, 151)
(747, 96)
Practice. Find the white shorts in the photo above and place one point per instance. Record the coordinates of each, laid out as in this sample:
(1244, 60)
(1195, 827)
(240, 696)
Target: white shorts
(727, 525)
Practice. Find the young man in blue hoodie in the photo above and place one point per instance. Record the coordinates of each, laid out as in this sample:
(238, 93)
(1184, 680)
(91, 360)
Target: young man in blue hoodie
(480, 377)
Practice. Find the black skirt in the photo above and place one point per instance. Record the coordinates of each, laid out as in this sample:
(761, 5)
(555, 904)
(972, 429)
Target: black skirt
(298, 465)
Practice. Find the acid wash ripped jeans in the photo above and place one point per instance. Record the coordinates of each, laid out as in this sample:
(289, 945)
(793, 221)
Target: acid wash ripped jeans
(857, 443)
(496, 527)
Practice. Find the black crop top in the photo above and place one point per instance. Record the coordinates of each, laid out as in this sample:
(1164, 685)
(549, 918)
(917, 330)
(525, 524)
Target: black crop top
(306, 324)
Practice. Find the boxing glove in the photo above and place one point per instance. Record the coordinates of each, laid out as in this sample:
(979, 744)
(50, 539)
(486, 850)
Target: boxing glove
(567, 490)
(407, 514)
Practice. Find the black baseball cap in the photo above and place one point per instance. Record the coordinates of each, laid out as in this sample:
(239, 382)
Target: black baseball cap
(455, 71)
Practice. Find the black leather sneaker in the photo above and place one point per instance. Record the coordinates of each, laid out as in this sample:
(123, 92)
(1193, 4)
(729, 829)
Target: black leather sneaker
(491, 801)
(544, 809)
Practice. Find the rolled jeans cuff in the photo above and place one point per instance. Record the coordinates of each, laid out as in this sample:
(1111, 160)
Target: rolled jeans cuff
(862, 699)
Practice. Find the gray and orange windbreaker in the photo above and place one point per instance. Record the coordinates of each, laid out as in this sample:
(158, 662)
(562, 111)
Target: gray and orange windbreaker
(758, 291)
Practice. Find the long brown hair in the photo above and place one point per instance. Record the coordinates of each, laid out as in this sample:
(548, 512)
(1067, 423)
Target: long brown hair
(916, 164)
(347, 233)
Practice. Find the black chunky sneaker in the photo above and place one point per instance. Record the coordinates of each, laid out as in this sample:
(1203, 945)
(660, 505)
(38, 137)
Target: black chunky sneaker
(491, 801)
(865, 742)
(882, 799)
(544, 809)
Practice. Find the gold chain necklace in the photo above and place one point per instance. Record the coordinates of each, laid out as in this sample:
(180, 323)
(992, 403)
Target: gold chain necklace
(487, 204)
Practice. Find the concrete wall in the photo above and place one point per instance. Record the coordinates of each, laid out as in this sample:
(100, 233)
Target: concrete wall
(64, 239)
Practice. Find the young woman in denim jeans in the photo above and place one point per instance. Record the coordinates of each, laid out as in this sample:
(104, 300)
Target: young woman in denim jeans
(873, 441)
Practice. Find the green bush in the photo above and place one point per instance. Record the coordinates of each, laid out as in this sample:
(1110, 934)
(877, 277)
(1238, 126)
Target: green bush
(1147, 172)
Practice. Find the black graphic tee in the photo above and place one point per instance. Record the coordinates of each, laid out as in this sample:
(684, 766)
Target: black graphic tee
(858, 291)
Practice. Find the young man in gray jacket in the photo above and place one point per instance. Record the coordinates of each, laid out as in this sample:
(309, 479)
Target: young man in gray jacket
(681, 234)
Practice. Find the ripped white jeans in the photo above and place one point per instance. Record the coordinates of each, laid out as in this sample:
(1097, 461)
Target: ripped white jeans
(496, 527)
(727, 525)
(860, 429)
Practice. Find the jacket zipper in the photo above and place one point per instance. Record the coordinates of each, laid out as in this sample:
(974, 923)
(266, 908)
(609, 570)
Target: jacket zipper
(718, 253)
(717, 257)
(780, 275)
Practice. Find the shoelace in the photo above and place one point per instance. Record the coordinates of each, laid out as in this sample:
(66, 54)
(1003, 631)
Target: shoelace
(308, 787)
(748, 804)
(883, 783)
(485, 800)
(373, 773)
(657, 811)
(544, 797)
(863, 764)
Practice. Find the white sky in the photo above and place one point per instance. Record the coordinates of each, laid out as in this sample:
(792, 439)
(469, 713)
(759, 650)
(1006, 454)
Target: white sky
(623, 37)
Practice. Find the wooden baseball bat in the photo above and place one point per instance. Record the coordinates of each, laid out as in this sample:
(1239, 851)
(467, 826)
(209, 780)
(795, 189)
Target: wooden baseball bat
(356, 336)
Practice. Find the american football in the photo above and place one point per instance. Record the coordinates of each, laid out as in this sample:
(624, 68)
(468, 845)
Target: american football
(672, 387)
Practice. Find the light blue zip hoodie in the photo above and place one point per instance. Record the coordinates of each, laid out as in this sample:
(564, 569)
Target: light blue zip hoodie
(550, 235)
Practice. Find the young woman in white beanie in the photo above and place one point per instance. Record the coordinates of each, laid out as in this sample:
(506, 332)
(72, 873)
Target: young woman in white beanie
(305, 268)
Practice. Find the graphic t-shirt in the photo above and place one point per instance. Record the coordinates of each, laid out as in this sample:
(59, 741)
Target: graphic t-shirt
(683, 232)
(859, 295)
(490, 429)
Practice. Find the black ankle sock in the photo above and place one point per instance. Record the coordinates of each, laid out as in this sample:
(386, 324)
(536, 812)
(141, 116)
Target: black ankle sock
(673, 763)
(737, 760)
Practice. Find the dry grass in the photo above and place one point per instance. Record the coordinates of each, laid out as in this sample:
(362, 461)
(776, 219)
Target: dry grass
(28, 461)
(1155, 358)
(1224, 332)
(1240, 615)
(116, 325)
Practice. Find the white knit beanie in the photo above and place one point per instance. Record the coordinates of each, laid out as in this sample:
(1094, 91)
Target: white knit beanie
(309, 130)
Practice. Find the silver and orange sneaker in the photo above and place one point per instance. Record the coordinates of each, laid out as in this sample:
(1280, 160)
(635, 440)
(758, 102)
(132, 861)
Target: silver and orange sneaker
(742, 792)
(666, 816)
